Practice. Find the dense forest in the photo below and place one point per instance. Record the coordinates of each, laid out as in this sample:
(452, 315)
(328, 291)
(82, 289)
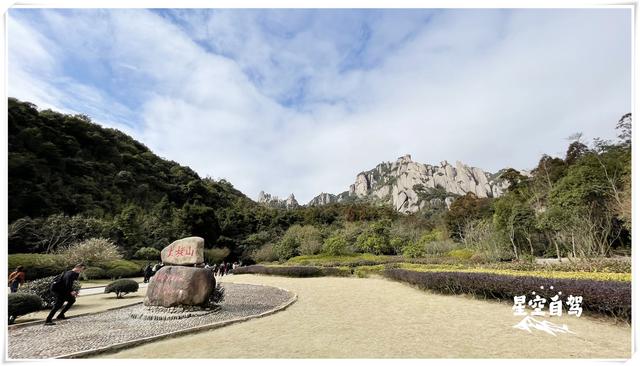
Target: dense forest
(71, 180)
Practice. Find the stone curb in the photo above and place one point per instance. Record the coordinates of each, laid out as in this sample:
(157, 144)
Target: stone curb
(34, 322)
(137, 342)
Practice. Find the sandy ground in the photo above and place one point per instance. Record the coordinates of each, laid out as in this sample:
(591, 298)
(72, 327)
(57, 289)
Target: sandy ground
(376, 318)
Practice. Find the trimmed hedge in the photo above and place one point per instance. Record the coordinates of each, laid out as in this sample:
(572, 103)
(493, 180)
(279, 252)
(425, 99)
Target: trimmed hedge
(93, 273)
(293, 271)
(37, 265)
(596, 276)
(45, 265)
(21, 304)
(120, 268)
(121, 287)
(607, 265)
(611, 298)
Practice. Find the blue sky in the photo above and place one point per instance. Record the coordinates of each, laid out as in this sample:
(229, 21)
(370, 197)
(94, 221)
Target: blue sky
(302, 100)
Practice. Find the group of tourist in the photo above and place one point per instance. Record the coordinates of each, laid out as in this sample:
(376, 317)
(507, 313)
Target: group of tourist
(220, 270)
(223, 268)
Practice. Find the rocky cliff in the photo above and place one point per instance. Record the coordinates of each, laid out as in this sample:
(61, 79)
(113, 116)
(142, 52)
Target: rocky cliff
(274, 201)
(410, 186)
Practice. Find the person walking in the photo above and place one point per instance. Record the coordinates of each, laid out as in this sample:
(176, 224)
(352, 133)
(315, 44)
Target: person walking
(227, 268)
(16, 278)
(222, 269)
(63, 289)
(148, 272)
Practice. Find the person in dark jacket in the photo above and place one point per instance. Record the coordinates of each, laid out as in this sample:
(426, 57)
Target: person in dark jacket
(64, 293)
(148, 272)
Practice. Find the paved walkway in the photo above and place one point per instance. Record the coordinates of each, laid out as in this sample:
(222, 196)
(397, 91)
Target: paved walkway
(364, 317)
(116, 326)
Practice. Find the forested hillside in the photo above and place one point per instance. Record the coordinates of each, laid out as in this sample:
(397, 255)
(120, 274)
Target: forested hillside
(71, 179)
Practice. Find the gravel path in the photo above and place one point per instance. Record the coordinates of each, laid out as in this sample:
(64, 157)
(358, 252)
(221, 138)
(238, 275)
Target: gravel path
(116, 326)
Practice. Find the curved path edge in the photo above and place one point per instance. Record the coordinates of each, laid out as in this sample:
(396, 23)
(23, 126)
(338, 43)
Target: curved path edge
(137, 342)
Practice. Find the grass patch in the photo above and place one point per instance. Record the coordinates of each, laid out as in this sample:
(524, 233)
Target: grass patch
(366, 271)
(295, 271)
(353, 260)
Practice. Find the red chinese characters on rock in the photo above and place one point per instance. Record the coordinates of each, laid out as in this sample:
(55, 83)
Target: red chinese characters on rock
(181, 251)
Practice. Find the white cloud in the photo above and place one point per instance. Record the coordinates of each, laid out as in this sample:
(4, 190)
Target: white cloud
(490, 88)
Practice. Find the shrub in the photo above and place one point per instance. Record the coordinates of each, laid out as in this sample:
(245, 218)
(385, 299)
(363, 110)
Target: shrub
(93, 273)
(375, 239)
(37, 265)
(335, 245)
(121, 287)
(463, 254)
(310, 240)
(311, 247)
(21, 304)
(41, 288)
(398, 245)
(286, 248)
(414, 249)
(605, 297)
(439, 247)
(293, 271)
(216, 255)
(90, 251)
(298, 240)
(265, 254)
(147, 253)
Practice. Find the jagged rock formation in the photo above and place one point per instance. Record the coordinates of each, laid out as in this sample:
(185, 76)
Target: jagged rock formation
(274, 201)
(410, 186)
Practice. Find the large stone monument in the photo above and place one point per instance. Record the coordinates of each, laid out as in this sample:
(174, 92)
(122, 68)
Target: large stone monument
(180, 283)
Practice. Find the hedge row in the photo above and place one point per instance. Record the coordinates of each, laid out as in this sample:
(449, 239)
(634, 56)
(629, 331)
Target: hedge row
(37, 265)
(293, 271)
(605, 297)
(45, 265)
(607, 265)
(596, 276)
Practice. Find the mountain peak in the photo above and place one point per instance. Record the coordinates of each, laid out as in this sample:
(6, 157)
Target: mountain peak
(410, 186)
(274, 201)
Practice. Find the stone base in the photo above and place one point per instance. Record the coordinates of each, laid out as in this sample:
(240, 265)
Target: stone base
(162, 313)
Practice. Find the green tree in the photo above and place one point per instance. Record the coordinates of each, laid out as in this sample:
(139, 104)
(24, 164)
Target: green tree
(463, 210)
